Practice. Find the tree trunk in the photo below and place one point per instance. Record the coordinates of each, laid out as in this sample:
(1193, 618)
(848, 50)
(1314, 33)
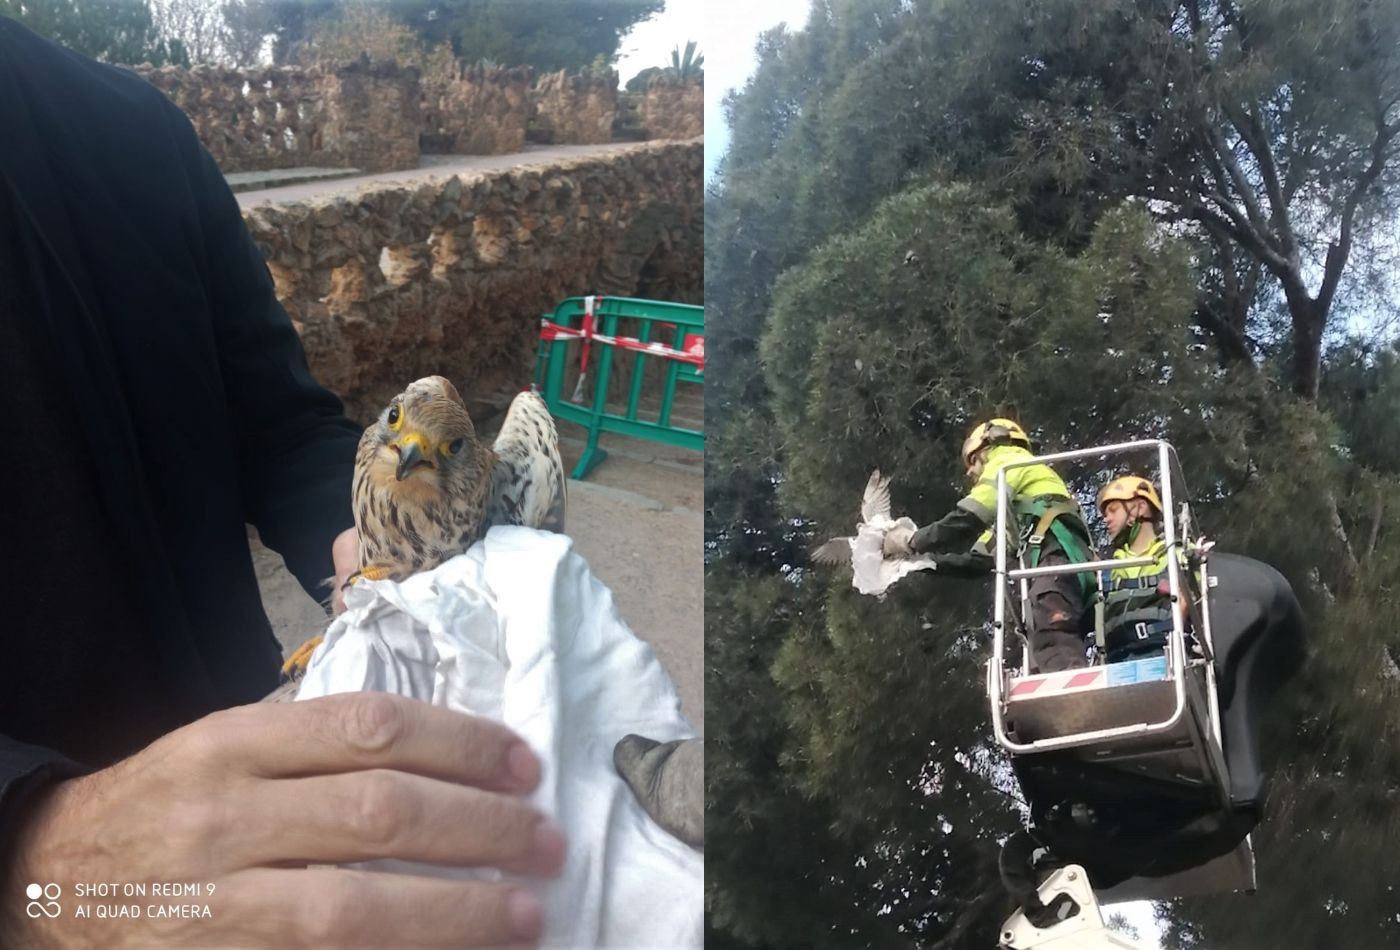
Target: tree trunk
(1309, 317)
(1307, 361)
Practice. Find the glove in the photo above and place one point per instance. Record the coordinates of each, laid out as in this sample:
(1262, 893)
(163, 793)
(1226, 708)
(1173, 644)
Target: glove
(896, 542)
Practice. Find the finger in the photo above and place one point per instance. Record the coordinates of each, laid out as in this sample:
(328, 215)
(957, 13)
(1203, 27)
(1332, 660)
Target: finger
(353, 731)
(345, 555)
(362, 816)
(335, 907)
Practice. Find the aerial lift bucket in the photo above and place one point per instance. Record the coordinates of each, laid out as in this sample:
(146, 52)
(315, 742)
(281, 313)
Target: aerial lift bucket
(1138, 770)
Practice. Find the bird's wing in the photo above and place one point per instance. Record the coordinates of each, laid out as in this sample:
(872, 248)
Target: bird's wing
(876, 501)
(527, 486)
(872, 572)
(835, 551)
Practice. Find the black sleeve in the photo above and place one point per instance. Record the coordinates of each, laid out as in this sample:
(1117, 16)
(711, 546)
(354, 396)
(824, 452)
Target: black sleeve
(954, 533)
(968, 564)
(295, 446)
(25, 772)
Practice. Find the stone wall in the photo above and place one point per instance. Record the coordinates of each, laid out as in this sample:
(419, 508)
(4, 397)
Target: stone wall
(393, 283)
(479, 111)
(360, 115)
(374, 116)
(575, 109)
(672, 109)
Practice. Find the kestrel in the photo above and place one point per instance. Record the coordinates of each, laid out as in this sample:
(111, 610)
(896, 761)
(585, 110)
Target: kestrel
(872, 572)
(426, 489)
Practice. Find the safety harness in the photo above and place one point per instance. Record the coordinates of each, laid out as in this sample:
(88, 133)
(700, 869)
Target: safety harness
(1053, 514)
(1137, 616)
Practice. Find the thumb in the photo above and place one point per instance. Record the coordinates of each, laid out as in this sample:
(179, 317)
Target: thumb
(345, 555)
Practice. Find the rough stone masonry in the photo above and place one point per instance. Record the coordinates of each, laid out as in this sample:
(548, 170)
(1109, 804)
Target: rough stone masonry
(450, 276)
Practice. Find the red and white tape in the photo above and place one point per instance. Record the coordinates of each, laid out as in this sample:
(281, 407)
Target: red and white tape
(692, 351)
(1071, 679)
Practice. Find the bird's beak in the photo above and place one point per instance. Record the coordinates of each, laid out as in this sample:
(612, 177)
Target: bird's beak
(413, 451)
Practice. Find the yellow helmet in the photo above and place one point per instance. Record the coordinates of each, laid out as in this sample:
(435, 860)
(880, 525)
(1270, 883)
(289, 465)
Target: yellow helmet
(1128, 487)
(993, 432)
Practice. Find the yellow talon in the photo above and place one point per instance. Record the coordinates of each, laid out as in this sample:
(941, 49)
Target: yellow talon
(375, 572)
(301, 658)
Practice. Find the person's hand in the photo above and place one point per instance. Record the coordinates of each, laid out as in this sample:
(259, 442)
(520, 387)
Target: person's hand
(896, 542)
(345, 555)
(244, 803)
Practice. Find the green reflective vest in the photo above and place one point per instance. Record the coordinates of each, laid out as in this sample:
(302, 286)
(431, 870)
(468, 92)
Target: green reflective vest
(1132, 595)
(1040, 503)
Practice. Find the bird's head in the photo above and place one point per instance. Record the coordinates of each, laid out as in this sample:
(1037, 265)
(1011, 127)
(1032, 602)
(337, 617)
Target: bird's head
(425, 436)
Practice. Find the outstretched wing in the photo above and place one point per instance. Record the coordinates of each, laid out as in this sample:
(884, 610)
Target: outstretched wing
(835, 551)
(876, 502)
(527, 487)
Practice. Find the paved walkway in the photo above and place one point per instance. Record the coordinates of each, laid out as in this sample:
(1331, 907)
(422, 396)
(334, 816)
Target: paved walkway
(430, 166)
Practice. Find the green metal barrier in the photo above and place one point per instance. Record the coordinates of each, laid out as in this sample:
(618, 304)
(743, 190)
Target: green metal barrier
(682, 357)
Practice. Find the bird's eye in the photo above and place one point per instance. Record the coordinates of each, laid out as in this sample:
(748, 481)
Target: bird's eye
(454, 446)
(395, 416)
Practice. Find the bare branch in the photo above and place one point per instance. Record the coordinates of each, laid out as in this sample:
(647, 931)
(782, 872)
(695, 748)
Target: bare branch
(1242, 185)
(1228, 327)
(1238, 231)
(1252, 132)
(1350, 566)
(1340, 249)
(1193, 9)
(1376, 522)
(1232, 342)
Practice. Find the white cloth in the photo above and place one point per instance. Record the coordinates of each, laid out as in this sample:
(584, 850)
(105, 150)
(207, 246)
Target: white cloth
(519, 629)
(871, 571)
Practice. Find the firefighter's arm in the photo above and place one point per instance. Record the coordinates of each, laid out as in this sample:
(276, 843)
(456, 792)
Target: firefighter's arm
(972, 563)
(955, 532)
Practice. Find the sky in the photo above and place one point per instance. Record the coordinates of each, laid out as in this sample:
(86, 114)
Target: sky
(650, 42)
(730, 30)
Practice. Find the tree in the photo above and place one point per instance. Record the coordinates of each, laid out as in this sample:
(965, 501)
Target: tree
(245, 31)
(898, 242)
(1269, 127)
(639, 82)
(363, 28)
(546, 34)
(114, 31)
(197, 26)
(687, 66)
(285, 24)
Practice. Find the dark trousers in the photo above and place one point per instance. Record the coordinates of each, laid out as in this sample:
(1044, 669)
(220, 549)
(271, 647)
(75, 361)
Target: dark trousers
(1057, 607)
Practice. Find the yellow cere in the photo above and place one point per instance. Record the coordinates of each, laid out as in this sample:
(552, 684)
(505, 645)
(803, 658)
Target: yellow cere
(418, 439)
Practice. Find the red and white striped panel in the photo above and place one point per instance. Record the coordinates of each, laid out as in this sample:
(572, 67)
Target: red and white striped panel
(1068, 681)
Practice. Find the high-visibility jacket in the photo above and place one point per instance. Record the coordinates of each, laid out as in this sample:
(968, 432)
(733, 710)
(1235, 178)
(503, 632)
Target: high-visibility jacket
(1040, 502)
(1137, 608)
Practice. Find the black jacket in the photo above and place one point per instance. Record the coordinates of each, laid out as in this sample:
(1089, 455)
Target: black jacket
(124, 257)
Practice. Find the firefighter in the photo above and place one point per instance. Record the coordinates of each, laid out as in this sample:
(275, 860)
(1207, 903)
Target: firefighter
(1137, 600)
(1052, 530)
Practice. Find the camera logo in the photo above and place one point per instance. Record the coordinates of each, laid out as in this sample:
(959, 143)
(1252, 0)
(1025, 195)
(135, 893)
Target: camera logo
(50, 893)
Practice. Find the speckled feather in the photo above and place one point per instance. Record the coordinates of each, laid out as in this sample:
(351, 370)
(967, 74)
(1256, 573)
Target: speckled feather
(528, 485)
(445, 505)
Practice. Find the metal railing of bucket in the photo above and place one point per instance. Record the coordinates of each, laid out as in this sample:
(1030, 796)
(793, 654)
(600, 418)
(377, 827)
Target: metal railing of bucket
(594, 321)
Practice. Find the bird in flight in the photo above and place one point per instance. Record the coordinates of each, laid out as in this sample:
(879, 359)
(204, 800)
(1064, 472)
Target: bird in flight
(871, 571)
(426, 489)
